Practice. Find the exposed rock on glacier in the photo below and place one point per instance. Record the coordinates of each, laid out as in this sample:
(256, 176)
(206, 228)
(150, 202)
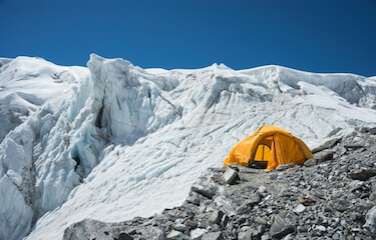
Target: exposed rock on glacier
(316, 202)
(124, 141)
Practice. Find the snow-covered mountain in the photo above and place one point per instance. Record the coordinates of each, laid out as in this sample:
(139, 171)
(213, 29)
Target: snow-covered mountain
(114, 141)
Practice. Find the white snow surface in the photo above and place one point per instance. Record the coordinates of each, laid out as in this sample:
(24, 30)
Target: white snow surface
(114, 141)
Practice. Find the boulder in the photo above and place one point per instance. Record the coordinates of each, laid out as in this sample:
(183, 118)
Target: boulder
(354, 146)
(320, 228)
(180, 227)
(124, 236)
(281, 228)
(265, 237)
(362, 174)
(245, 234)
(230, 176)
(341, 205)
(248, 205)
(85, 229)
(224, 221)
(328, 144)
(324, 156)
(251, 233)
(194, 198)
(212, 236)
(206, 191)
(299, 208)
(177, 235)
(370, 224)
(215, 217)
(372, 131)
(190, 223)
(197, 233)
(261, 189)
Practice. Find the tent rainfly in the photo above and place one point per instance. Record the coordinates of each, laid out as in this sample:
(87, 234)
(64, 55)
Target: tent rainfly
(269, 144)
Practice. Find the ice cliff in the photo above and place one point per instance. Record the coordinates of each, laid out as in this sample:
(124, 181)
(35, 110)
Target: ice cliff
(114, 141)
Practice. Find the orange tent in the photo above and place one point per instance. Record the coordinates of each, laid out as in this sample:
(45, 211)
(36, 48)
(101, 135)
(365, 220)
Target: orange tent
(271, 144)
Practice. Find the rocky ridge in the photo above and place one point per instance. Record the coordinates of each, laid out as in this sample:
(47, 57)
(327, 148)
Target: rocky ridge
(332, 196)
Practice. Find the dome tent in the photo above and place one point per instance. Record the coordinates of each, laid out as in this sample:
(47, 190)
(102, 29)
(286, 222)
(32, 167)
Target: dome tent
(271, 144)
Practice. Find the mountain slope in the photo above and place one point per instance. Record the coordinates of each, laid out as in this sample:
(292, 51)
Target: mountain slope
(129, 141)
(331, 196)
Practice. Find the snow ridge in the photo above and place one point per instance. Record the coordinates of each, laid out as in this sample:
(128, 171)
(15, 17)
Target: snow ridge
(123, 141)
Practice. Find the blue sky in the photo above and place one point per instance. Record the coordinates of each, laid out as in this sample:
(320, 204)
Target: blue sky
(317, 35)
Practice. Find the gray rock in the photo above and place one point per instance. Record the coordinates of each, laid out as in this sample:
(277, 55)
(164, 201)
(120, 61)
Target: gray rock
(193, 198)
(205, 191)
(289, 237)
(224, 221)
(215, 217)
(281, 228)
(337, 236)
(260, 220)
(328, 144)
(324, 156)
(356, 185)
(370, 224)
(85, 229)
(248, 205)
(321, 228)
(302, 229)
(363, 129)
(283, 167)
(310, 162)
(176, 235)
(265, 237)
(299, 208)
(261, 189)
(372, 196)
(125, 236)
(190, 223)
(248, 170)
(230, 176)
(197, 233)
(372, 131)
(180, 227)
(354, 146)
(212, 236)
(362, 174)
(341, 205)
(257, 232)
(214, 228)
(245, 234)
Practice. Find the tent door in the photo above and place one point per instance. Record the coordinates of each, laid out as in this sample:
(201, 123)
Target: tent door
(264, 154)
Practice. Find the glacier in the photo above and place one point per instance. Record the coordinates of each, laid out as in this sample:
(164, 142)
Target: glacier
(113, 141)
